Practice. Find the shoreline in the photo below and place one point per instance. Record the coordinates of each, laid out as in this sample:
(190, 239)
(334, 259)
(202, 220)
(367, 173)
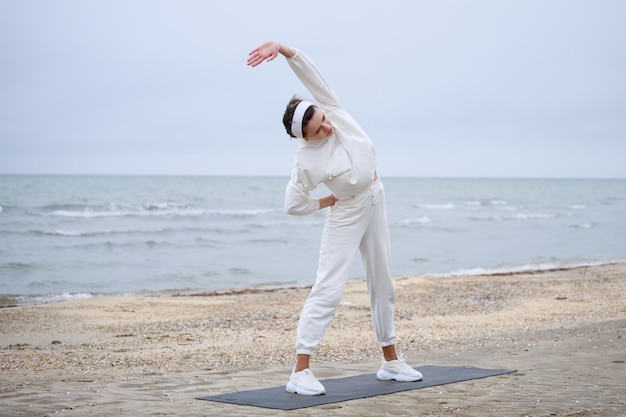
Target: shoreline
(564, 331)
(12, 300)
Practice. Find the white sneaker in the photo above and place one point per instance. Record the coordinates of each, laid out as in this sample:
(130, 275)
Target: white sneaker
(398, 370)
(304, 383)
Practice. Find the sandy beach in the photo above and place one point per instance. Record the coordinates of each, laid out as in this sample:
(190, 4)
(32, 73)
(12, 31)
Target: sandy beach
(563, 331)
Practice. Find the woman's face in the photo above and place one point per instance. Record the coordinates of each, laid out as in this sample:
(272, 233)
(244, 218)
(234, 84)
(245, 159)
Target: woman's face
(319, 127)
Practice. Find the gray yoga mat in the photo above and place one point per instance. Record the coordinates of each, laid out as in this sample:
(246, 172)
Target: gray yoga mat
(352, 387)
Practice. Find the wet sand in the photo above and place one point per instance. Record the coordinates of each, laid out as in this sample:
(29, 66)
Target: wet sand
(564, 331)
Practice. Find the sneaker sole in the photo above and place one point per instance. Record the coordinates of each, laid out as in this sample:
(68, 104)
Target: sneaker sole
(384, 375)
(293, 389)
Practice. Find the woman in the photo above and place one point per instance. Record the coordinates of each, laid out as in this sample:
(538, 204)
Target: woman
(336, 152)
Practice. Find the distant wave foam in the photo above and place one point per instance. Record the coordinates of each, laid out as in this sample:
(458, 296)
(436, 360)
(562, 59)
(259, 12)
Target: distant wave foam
(518, 216)
(155, 210)
(470, 204)
(51, 298)
(419, 220)
(443, 206)
(517, 269)
(141, 211)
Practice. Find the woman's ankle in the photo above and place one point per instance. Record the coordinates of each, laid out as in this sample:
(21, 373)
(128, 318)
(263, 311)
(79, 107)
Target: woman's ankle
(389, 353)
(302, 363)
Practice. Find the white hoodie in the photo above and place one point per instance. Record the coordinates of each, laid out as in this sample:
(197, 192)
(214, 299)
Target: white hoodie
(345, 162)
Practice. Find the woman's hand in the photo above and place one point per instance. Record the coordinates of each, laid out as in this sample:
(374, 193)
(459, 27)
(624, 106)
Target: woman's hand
(265, 52)
(268, 51)
(328, 201)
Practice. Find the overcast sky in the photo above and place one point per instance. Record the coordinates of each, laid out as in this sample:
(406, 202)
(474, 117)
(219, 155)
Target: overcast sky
(444, 88)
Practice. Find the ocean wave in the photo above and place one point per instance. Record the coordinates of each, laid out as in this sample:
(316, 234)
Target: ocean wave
(156, 210)
(165, 210)
(442, 206)
(467, 205)
(498, 202)
(276, 240)
(51, 298)
(71, 233)
(238, 213)
(239, 271)
(517, 269)
(186, 233)
(586, 225)
(535, 216)
(20, 266)
(163, 244)
(123, 232)
(518, 216)
(414, 221)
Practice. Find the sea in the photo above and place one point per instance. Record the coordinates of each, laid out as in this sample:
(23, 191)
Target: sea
(69, 237)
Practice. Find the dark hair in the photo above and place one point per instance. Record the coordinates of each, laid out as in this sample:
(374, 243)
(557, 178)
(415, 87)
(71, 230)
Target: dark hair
(290, 110)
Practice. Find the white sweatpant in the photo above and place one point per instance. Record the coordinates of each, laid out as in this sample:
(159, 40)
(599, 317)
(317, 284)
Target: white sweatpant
(355, 223)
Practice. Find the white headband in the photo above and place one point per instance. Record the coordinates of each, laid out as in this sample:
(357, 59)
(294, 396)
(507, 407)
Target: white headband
(298, 115)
